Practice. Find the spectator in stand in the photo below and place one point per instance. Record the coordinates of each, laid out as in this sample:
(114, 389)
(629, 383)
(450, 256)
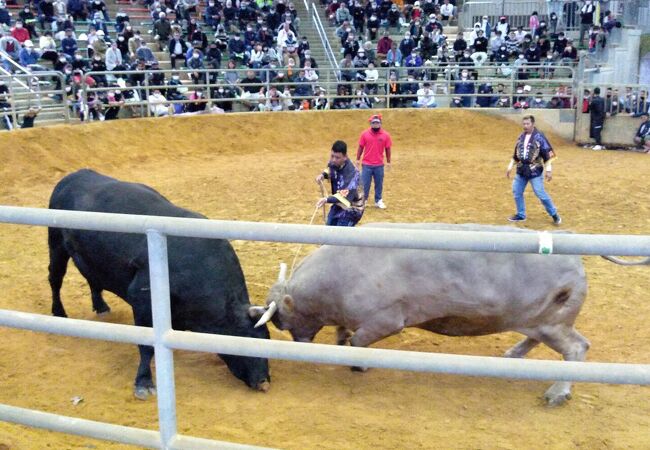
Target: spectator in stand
(495, 45)
(342, 14)
(162, 29)
(538, 101)
(407, 45)
(513, 45)
(341, 102)
(520, 66)
(97, 64)
(570, 53)
(414, 62)
(428, 48)
(460, 45)
(121, 19)
(522, 99)
(310, 73)
(394, 18)
(426, 97)
(586, 20)
(503, 26)
(474, 34)
(99, 45)
(200, 39)
(265, 37)
(351, 46)
(28, 56)
(307, 57)
(113, 57)
(373, 26)
(560, 44)
(78, 9)
(479, 56)
(11, 46)
(447, 11)
(485, 100)
(417, 31)
(144, 52)
(533, 23)
(158, 105)
(465, 86)
(5, 16)
(520, 34)
(236, 48)
(28, 20)
(177, 49)
(642, 136)
(394, 90)
(47, 46)
(113, 102)
(597, 118)
(285, 34)
(19, 32)
(212, 15)
(46, 14)
(394, 56)
(343, 31)
(100, 7)
(532, 54)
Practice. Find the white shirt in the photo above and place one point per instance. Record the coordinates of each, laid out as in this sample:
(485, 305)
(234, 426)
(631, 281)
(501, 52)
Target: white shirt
(447, 10)
(426, 97)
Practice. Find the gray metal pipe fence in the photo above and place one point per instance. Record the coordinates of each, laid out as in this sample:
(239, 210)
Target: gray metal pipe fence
(165, 339)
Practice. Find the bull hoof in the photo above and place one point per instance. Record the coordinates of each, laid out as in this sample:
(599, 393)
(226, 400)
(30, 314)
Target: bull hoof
(144, 392)
(554, 399)
(358, 369)
(103, 310)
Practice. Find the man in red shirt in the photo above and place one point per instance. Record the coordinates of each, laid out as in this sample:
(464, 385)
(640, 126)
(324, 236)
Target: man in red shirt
(372, 144)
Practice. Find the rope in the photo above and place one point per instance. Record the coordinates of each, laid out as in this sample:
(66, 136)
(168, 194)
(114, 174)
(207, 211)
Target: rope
(295, 257)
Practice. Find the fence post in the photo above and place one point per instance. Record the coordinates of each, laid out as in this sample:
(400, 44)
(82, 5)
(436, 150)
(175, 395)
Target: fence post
(12, 98)
(162, 324)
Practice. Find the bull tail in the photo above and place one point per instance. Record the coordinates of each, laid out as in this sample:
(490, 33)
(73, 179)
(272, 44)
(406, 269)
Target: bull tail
(624, 262)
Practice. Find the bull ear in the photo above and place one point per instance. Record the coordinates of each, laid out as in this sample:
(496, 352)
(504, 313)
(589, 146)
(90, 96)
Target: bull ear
(287, 303)
(255, 312)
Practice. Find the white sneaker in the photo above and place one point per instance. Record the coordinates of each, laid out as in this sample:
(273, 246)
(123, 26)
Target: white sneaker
(597, 147)
(380, 204)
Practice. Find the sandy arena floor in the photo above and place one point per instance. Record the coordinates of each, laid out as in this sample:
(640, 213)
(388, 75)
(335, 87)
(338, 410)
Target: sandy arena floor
(448, 167)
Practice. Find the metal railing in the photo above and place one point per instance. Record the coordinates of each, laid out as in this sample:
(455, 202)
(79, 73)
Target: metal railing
(322, 33)
(164, 338)
(547, 79)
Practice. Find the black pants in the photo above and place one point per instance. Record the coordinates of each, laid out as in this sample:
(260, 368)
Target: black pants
(595, 132)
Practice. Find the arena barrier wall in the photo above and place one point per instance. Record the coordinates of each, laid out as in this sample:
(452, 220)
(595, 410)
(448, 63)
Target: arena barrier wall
(165, 339)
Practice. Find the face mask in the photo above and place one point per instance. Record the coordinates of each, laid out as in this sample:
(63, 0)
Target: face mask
(19, 26)
(236, 38)
(195, 55)
(176, 78)
(62, 60)
(77, 57)
(129, 28)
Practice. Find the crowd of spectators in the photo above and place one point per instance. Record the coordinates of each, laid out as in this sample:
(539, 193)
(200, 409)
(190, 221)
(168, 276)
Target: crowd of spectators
(262, 37)
(79, 36)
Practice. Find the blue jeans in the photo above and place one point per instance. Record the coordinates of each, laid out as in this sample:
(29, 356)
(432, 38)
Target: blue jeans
(518, 187)
(338, 221)
(369, 173)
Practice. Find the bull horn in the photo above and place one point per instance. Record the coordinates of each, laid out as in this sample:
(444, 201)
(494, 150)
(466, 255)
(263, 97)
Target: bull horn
(273, 307)
(283, 272)
(623, 262)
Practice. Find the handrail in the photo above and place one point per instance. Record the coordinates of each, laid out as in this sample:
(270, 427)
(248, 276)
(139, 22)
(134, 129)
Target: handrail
(9, 59)
(322, 33)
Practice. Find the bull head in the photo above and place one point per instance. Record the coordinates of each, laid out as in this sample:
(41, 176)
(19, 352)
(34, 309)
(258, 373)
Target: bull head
(267, 313)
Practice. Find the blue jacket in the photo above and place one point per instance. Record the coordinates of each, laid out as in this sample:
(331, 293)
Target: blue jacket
(27, 58)
(69, 46)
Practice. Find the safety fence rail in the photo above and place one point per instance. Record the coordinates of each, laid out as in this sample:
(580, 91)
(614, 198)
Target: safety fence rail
(164, 339)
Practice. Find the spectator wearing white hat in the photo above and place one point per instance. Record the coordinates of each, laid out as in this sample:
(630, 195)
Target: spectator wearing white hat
(28, 56)
(99, 45)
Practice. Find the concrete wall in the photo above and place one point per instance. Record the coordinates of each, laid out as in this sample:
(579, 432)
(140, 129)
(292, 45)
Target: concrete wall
(559, 121)
(618, 130)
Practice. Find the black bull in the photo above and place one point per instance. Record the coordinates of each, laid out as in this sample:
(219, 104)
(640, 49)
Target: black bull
(207, 287)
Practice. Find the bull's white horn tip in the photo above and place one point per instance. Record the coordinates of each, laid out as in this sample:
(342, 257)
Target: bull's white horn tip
(273, 307)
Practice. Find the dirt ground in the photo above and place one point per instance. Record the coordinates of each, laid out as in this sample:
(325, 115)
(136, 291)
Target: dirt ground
(448, 167)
